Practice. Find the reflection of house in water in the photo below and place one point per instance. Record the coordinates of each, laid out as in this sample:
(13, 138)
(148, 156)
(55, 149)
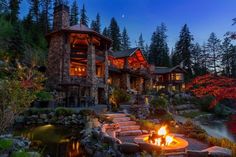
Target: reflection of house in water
(81, 67)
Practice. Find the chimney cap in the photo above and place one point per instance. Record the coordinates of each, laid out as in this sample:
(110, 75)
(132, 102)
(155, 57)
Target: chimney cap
(61, 7)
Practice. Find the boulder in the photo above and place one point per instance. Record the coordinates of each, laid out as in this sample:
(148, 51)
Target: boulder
(217, 151)
(128, 148)
(43, 116)
(110, 140)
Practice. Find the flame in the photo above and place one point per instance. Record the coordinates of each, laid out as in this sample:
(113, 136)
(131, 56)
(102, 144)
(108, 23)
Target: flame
(162, 131)
(169, 139)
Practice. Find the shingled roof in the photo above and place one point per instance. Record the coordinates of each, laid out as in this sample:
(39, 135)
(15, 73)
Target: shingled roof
(164, 70)
(125, 53)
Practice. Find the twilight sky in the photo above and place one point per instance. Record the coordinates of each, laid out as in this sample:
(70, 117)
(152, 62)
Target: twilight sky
(142, 16)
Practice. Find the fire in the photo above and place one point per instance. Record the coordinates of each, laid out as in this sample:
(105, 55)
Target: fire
(162, 131)
(161, 137)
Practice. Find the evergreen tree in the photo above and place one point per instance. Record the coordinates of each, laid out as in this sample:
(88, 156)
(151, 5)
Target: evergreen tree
(45, 16)
(74, 13)
(233, 62)
(159, 51)
(198, 60)
(146, 51)
(34, 10)
(227, 49)
(214, 50)
(83, 17)
(96, 24)
(141, 42)
(125, 41)
(105, 32)
(14, 7)
(3, 6)
(183, 49)
(114, 34)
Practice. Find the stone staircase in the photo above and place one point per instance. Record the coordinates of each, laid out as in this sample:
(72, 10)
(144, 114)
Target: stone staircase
(127, 126)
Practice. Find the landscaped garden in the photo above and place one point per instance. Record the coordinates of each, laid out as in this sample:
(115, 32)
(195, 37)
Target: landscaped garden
(68, 89)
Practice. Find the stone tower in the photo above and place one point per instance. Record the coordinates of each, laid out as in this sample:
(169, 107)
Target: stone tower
(59, 48)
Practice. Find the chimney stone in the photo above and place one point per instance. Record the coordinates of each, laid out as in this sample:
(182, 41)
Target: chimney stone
(61, 17)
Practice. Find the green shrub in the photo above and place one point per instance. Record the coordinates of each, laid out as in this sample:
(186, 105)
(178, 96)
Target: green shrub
(44, 96)
(166, 118)
(62, 111)
(37, 111)
(20, 153)
(159, 102)
(178, 101)
(5, 144)
(205, 102)
(148, 125)
(119, 96)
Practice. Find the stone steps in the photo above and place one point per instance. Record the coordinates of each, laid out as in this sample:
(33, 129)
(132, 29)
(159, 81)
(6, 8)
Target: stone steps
(116, 115)
(131, 127)
(127, 123)
(130, 133)
(121, 119)
(188, 111)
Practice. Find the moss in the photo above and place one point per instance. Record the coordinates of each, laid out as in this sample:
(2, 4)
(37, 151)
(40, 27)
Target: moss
(62, 111)
(5, 144)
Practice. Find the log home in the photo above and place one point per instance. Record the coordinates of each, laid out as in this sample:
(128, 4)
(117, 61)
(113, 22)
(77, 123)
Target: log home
(81, 67)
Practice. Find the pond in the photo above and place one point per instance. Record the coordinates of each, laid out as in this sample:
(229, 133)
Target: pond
(54, 141)
(220, 128)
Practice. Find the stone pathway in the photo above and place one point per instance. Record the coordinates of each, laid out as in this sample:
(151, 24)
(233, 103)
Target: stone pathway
(127, 126)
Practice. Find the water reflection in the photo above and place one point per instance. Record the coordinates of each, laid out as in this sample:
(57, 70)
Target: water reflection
(221, 129)
(54, 141)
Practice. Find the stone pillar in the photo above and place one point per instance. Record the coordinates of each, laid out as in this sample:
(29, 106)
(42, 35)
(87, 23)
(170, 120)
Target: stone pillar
(106, 88)
(125, 82)
(66, 59)
(141, 81)
(91, 72)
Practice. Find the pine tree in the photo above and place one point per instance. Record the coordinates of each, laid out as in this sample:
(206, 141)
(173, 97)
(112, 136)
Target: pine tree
(198, 60)
(141, 42)
(83, 17)
(3, 6)
(182, 51)
(45, 16)
(105, 32)
(146, 51)
(227, 49)
(14, 7)
(114, 34)
(233, 62)
(74, 13)
(159, 51)
(96, 24)
(125, 41)
(34, 10)
(214, 50)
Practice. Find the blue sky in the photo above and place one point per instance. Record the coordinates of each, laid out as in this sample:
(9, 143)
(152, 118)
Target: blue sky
(142, 16)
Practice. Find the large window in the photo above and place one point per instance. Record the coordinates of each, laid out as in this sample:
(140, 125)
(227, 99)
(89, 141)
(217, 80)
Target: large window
(176, 77)
(78, 70)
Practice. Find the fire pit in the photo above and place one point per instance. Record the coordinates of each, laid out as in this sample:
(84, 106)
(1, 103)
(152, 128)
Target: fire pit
(167, 142)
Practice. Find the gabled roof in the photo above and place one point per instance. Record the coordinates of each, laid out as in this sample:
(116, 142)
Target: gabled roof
(124, 53)
(165, 70)
(81, 29)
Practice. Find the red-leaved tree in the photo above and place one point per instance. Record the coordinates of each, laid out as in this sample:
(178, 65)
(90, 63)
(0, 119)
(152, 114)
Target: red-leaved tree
(218, 86)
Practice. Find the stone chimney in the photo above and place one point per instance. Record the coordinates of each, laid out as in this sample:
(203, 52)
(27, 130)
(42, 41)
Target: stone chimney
(61, 17)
